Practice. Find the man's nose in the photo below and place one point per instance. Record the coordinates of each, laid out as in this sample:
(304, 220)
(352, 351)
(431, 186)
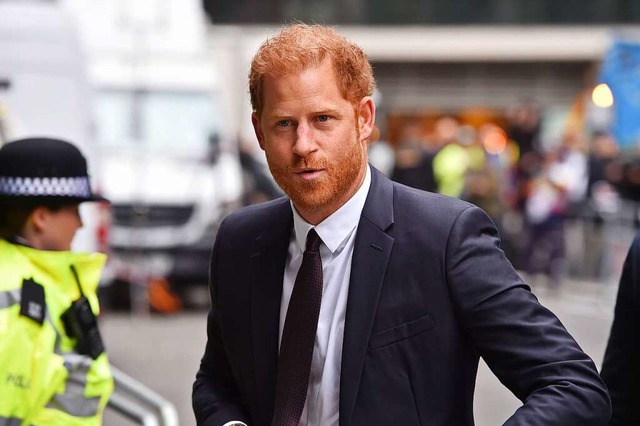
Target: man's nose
(305, 143)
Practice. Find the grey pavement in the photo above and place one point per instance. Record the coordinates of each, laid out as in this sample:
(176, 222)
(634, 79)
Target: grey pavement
(163, 352)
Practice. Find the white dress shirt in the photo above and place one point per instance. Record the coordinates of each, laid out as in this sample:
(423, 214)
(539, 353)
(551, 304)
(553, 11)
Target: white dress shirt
(338, 233)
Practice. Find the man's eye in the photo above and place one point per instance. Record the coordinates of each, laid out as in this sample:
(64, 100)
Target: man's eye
(284, 123)
(323, 118)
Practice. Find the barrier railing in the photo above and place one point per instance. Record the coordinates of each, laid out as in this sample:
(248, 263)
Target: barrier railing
(139, 403)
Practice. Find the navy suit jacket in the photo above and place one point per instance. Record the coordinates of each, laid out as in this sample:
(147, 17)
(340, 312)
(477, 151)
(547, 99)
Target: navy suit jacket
(621, 369)
(430, 292)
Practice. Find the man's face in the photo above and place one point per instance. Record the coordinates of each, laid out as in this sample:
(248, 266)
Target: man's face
(314, 139)
(59, 227)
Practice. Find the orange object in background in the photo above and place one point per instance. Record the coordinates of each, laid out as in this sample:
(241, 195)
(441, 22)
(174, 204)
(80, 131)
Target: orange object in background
(161, 298)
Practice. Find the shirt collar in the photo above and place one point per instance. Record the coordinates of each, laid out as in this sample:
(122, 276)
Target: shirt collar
(18, 240)
(337, 227)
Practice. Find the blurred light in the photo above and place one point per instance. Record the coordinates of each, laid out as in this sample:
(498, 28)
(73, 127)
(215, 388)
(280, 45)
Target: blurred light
(602, 96)
(495, 141)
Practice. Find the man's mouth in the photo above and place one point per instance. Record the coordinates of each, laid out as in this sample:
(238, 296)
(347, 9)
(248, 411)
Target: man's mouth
(310, 174)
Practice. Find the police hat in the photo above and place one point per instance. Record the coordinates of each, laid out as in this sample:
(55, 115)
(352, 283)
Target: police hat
(44, 170)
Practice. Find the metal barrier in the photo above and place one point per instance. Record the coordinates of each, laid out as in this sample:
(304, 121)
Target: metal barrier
(139, 403)
(597, 242)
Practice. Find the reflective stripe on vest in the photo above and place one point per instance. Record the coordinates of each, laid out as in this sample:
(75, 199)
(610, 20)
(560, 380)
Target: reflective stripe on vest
(9, 298)
(72, 401)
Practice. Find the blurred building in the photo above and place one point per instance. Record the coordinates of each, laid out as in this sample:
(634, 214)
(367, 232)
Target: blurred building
(376, 12)
(472, 59)
(517, 74)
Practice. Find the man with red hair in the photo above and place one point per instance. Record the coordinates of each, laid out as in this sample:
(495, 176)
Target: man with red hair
(380, 317)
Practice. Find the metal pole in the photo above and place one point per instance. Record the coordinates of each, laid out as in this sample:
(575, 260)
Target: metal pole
(131, 396)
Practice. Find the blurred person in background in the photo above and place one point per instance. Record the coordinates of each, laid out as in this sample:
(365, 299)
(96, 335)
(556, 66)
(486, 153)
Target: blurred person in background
(624, 174)
(524, 129)
(413, 163)
(258, 185)
(556, 192)
(52, 362)
(481, 183)
(603, 203)
(603, 152)
(573, 159)
(620, 368)
(545, 210)
(383, 317)
(523, 134)
(381, 154)
(460, 157)
(451, 162)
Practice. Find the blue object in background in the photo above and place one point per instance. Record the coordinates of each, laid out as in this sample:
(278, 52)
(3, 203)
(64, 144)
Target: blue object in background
(621, 72)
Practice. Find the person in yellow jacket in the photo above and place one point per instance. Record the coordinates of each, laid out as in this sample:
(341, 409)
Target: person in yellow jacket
(53, 367)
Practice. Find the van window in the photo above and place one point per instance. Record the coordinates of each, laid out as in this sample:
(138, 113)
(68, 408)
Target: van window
(158, 121)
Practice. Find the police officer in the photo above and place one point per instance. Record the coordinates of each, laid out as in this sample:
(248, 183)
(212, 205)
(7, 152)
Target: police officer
(53, 368)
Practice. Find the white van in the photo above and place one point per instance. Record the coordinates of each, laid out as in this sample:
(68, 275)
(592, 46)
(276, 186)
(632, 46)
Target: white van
(169, 186)
(169, 167)
(44, 91)
(143, 108)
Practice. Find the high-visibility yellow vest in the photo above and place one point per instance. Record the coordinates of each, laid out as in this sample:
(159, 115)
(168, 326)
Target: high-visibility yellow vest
(43, 381)
(450, 166)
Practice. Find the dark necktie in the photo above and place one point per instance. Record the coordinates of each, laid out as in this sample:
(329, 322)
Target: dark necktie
(298, 337)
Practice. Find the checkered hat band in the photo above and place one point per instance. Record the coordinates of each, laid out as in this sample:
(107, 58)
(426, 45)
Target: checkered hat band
(45, 186)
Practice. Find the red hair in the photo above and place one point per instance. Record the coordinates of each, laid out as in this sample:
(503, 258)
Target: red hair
(300, 46)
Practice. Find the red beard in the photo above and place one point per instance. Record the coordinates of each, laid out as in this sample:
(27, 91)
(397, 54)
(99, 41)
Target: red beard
(338, 178)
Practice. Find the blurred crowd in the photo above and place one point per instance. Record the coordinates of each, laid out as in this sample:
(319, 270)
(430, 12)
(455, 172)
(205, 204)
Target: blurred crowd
(550, 199)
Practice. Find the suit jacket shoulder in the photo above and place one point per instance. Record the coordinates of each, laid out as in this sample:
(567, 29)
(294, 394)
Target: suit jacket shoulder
(246, 225)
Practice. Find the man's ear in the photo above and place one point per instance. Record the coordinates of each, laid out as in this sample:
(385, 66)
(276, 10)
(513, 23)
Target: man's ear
(257, 128)
(366, 117)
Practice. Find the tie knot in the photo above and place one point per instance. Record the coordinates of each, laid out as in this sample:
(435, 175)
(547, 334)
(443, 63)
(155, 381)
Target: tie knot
(313, 241)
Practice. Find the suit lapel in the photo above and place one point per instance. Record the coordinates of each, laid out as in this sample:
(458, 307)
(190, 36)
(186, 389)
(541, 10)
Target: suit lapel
(370, 257)
(268, 262)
